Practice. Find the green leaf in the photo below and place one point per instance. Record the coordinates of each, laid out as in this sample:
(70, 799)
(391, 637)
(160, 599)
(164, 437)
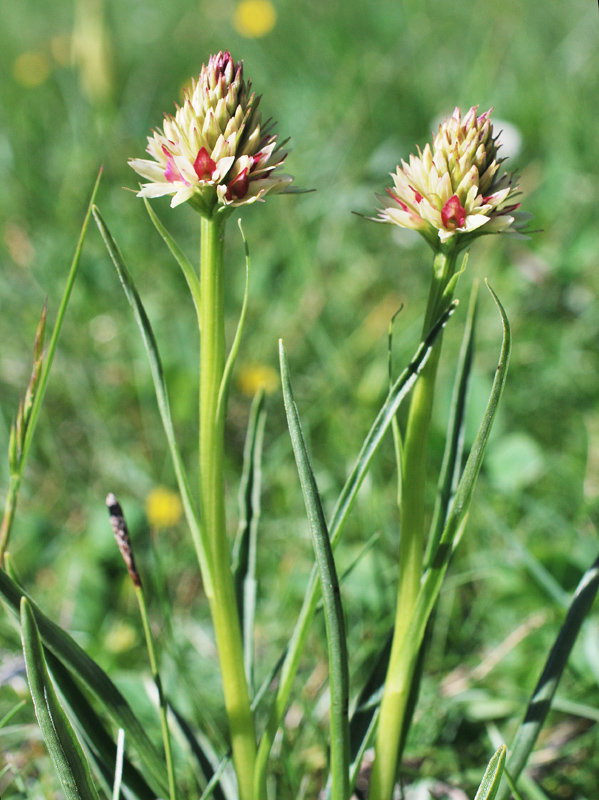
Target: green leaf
(76, 660)
(542, 697)
(12, 713)
(100, 744)
(199, 539)
(203, 752)
(333, 609)
(61, 741)
(186, 267)
(244, 553)
(398, 392)
(223, 391)
(41, 383)
(454, 442)
(490, 782)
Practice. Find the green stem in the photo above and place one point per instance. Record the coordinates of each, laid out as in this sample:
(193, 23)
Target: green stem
(411, 543)
(212, 499)
(162, 704)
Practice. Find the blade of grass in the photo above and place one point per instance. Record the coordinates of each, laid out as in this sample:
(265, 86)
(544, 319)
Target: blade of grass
(118, 772)
(12, 713)
(244, 553)
(93, 731)
(199, 539)
(490, 782)
(59, 736)
(66, 650)
(16, 480)
(397, 394)
(333, 609)
(541, 699)
(186, 267)
(203, 752)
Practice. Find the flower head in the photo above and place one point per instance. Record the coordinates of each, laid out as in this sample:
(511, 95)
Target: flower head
(453, 192)
(214, 152)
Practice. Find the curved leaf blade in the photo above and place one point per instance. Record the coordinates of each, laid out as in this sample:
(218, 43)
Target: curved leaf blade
(490, 782)
(331, 596)
(62, 743)
(76, 660)
(544, 692)
(200, 541)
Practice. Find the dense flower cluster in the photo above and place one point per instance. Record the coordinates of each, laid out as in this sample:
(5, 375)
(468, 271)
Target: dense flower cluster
(214, 152)
(454, 189)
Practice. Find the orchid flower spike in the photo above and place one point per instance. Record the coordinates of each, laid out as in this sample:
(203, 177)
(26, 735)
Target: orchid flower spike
(453, 191)
(215, 152)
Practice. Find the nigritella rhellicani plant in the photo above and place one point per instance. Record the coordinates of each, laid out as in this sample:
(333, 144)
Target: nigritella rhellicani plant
(450, 193)
(455, 191)
(215, 152)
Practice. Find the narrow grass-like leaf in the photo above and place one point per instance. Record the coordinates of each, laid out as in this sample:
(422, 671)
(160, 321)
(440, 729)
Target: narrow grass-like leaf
(118, 772)
(100, 744)
(365, 716)
(244, 554)
(209, 791)
(200, 541)
(189, 272)
(59, 736)
(333, 609)
(454, 443)
(400, 390)
(433, 577)
(76, 660)
(541, 699)
(203, 752)
(12, 713)
(513, 788)
(490, 782)
(37, 399)
(223, 391)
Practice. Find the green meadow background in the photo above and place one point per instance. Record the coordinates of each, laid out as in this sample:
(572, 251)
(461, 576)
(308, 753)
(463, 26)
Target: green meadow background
(355, 85)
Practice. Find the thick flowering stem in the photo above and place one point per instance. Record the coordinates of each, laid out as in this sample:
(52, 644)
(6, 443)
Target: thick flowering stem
(212, 496)
(411, 543)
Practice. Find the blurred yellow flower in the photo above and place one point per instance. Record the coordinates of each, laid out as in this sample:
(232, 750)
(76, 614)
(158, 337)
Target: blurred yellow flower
(163, 508)
(120, 638)
(254, 18)
(255, 376)
(31, 69)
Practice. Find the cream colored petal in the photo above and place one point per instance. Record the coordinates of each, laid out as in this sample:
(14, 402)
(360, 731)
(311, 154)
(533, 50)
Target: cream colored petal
(156, 189)
(474, 221)
(182, 196)
(147, 169)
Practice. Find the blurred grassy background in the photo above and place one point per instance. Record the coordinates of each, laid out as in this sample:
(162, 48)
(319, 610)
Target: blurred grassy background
(355, 85)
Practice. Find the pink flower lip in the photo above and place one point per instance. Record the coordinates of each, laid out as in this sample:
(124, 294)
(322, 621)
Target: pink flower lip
(393, 196)
(453, 215)
(417, 195)
(239, 186)
(204, 166)
(172, 173)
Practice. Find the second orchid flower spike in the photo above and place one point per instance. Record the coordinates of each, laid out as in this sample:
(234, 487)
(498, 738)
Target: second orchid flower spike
(454, 191)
